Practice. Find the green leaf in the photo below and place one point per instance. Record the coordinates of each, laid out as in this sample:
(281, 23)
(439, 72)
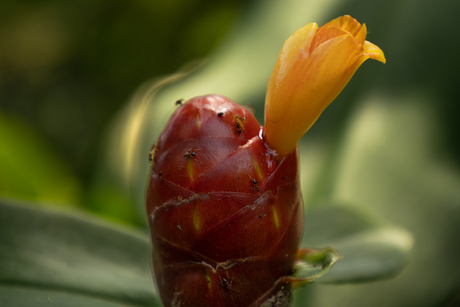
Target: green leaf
(371, 255)
(390, 163)
(26, 296)
(369, 250)
(53, 257)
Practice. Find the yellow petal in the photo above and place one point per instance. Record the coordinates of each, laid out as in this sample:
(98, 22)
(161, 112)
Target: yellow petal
(350, 24)
(325, 34)
(309, 73)
(294, 50)
(327, 74)
(374, 52)
(361, 35)
(346, 23)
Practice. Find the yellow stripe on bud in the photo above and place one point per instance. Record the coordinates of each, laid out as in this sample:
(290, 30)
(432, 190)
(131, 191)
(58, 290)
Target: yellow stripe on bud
(198, 121)
(208, 279)
(190, 169)
(275, 217)
(257, 168)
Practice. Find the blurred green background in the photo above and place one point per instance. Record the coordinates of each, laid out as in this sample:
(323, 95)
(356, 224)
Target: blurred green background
(66, 68)
(85, 87)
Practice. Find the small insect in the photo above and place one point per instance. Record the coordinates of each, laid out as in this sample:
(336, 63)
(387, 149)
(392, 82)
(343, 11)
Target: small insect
(152, 152)
(256, 186)
(220, 113)
(179, 102)
(224, 282)
(189, 153)
(239, 123)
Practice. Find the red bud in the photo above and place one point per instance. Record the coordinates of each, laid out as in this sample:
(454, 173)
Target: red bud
(225, 213)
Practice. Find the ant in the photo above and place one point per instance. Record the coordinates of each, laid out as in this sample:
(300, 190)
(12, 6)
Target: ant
(152, 152)
(189, 153)
(256, 186)
(239, 120)
(224, 282)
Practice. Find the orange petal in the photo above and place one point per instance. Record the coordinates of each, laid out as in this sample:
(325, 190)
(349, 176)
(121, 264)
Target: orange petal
(374, 52)
(326, 74)
(309, 74)
(294, 51)
(325, 34)
(361, 35)
(346, 23)
(350, 24)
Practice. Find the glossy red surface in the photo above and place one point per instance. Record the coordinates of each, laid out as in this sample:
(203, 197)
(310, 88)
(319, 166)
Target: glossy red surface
(225, 214)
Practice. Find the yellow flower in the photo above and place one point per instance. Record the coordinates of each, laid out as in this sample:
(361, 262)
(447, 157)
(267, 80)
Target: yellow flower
(313, 67)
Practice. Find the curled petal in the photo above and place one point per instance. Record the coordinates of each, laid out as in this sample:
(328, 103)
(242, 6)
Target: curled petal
(374, 52)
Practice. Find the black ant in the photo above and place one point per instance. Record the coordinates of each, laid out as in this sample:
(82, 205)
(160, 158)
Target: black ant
(189, 153)
(256, 186)
(150, 156)
(224, 282)
(179, 102)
